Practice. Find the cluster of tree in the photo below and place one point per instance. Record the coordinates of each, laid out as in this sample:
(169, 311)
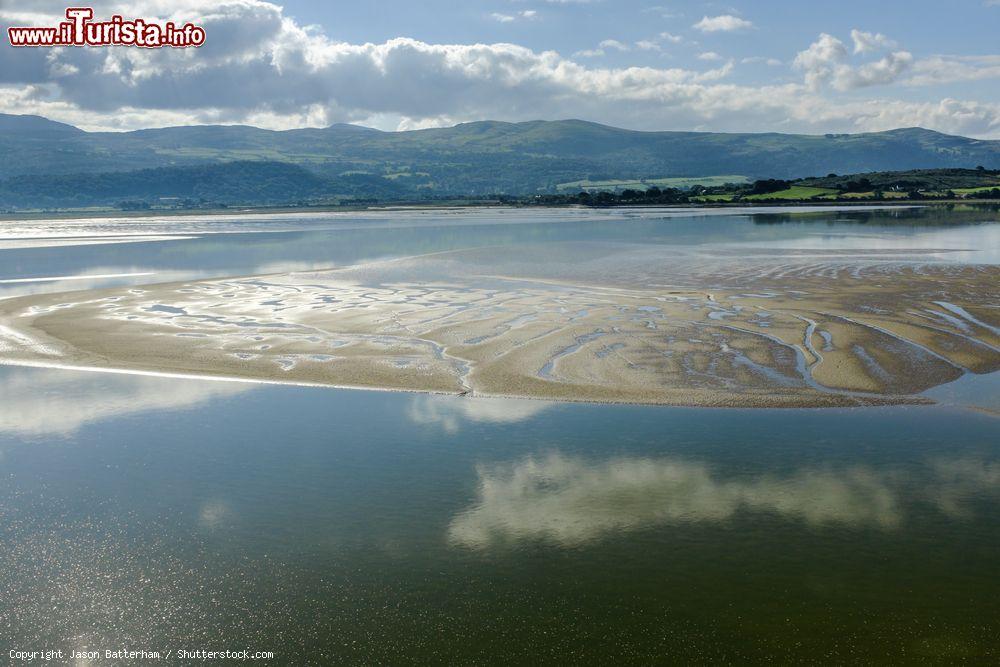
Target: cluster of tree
(936, 180)
(651, 197)
(767, 186)
(859, 185)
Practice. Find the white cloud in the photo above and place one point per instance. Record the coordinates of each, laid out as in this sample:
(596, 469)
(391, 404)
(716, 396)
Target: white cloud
(510, 18)
(825, 62)
(617, 45)
(865, 42)
(754, 60)
(882, 71)
(664, 12)
(948, 115)
(709, 55)
(669, 37)
(613, 44)
(949, 69)
(723, 23)
(819, 60)
(261, 67)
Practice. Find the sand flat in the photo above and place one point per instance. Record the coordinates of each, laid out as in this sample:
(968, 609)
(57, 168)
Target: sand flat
(771, 331)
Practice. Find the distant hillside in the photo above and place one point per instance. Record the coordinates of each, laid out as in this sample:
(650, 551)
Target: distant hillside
(269, 183)
(227, 183)
(478, 158)
(35, 127)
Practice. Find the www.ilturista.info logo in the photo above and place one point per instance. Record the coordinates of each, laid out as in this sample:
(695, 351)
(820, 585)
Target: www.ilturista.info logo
(81, 30)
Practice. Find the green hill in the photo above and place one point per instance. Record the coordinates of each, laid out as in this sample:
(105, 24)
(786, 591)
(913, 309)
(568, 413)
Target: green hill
(477, 158)
(243, 182)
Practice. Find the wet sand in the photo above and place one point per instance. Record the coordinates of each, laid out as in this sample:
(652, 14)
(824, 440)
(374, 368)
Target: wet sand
(579, 323)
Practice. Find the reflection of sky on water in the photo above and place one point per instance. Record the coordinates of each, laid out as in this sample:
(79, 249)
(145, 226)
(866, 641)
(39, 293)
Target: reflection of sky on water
(569, 501)
(973, 244)
(59, 402)
(205, 246)
(168, 511)
(958, 481)
(114, 228)
(978, 391)
(214, 513)
(451, 413)
(55, 402)
(94, 278)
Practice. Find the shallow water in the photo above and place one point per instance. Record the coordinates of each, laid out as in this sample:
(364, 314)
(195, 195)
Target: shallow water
(162, 513)
(329, 525)
(231, 246)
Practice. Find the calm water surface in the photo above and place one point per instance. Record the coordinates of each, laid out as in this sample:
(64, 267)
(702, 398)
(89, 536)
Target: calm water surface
(343, 526)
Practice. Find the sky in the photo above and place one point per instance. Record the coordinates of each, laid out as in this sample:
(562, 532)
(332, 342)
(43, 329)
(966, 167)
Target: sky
(737, 66)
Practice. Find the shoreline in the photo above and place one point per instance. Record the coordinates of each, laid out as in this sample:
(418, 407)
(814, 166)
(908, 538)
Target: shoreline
(85, 214)
(889, 401)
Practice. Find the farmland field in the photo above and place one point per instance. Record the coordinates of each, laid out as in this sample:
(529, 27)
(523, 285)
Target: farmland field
(794, 192)
(642, 184)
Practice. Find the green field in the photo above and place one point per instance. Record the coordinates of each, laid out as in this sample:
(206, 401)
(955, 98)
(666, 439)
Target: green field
(795, 192)
(969, 191)
(711, 198)
(865, 195)
(645, 183)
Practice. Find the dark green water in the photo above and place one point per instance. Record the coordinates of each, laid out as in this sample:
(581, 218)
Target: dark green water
(368, 526)
(335, 526)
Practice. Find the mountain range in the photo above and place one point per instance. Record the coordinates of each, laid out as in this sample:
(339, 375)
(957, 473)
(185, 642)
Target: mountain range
(47, 163)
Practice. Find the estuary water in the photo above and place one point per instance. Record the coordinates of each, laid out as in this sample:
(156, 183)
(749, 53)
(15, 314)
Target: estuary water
(331, 526)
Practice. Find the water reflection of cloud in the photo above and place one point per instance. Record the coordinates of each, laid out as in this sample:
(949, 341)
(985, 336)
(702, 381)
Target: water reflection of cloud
(571, 501)
(293, 266)
(961, 482)
(213, 514)
(967, 243)
(93, 278)
(450, 412)
(38, 402)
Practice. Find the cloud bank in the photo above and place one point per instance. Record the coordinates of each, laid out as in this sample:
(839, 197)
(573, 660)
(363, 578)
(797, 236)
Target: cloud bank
(825, 62)
(724, 23)
(261, 67)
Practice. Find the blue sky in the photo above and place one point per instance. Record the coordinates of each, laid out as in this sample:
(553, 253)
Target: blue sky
(662, 64)
(780, 29)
